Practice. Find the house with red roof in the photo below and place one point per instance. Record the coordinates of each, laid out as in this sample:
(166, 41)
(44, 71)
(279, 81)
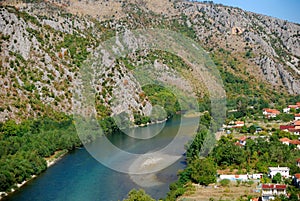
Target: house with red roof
(270, 191)
(239, 124)
(285, 140)
(285, 127)
(242, 141)
(292, 128)
(296, 143)
(296, 123)
(294, 107)
(270, 113)
(296, 180)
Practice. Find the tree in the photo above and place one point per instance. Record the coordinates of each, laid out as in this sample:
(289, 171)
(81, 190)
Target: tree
(252, 129)
(138, 195)
(203, 171)
(277, 178)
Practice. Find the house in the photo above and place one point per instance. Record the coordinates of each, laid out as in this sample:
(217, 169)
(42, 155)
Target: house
(294, 107)
(296, 180)
(296, 123)
(270, 113)
(285, 127)
(258, 129)
(286, 110)
(236, 124)
(269, 191)
(242, 140)
(285, 140)
(284, 171)
(295, 142)
(294, 131)
(234, 177)
(292, 128)
(239, 124)
(297, 117)
(257, 176)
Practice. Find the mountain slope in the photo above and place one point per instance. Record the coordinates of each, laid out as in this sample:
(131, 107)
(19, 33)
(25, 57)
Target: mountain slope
(44, 45)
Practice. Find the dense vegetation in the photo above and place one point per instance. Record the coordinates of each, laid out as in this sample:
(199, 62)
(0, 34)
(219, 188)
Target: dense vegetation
(24, 147)
(257, 155)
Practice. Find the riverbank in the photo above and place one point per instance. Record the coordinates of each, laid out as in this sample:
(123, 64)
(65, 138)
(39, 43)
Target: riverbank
(50, 162)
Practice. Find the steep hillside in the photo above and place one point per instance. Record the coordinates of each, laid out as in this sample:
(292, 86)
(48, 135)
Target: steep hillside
(45, 44)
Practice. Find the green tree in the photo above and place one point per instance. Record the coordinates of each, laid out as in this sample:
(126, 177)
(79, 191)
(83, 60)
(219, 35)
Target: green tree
(203, 171)
(138, 195)
(252, 129)
(277, 178)
(225, 182)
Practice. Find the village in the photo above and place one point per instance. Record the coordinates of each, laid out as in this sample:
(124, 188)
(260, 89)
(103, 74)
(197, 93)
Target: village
(281, 181)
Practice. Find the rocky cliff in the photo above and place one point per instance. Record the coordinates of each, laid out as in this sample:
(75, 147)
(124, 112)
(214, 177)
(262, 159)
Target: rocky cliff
(44, 45)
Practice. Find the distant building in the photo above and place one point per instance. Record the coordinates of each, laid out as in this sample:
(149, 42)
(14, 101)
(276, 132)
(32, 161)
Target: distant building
(285, 140)
(242, 140)
(286, 110)
(239, 124)
(296, 180)
(284, 171)
(270, 113)
(269, 191)
(294, 106)
(296, 143)
(296, 123)
(297, 117)
(286, 127)
(234, 177)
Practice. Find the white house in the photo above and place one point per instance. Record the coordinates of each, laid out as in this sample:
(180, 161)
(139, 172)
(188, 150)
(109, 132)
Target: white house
(297, 117)
(257, 176)
(284, 171)
(269, 191)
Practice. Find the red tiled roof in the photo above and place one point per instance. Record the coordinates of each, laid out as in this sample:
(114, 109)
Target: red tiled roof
(297, 123)
(298, 160)
(295, 142)
(298, 103)
(294, 106)
(272, 111)
(283, 127)
(297, 175)
(273, 186)
(239, 122)
(238, 144)
(285, 139)
(297, 115)
(243, 138)
(294, 130)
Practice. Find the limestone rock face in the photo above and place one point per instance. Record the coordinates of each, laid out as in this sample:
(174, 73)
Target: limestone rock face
(45, 45)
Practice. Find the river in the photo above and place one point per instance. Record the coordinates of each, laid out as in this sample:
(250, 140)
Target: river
(79, 177)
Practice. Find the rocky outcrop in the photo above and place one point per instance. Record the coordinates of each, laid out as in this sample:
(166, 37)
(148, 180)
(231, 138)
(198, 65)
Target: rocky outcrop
(44, 46)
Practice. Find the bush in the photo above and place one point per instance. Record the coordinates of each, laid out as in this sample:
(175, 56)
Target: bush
(225, 182)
